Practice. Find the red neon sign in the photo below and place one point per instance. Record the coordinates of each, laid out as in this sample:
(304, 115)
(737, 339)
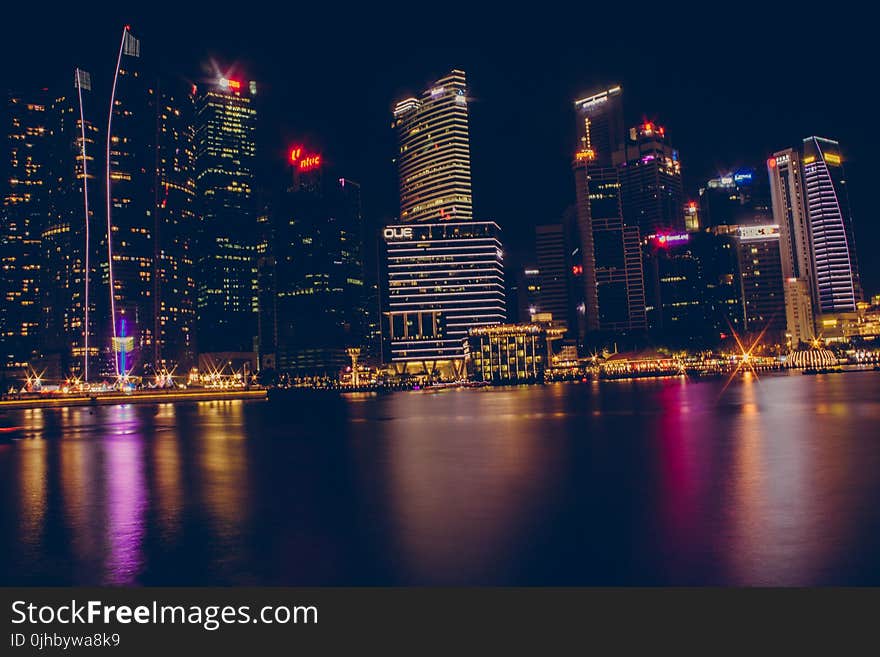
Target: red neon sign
(310, 162)
(234, 84)
(295, 153)
(577, 270)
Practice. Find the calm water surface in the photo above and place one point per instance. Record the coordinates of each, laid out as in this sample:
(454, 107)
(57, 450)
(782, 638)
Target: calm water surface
(770, 482)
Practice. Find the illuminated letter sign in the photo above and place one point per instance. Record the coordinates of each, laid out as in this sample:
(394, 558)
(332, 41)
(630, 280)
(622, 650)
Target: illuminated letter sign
(309, 162)
(398, 233)
(234, 84)
(295, 153)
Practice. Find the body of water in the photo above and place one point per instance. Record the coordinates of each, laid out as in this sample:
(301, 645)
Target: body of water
(770, 481)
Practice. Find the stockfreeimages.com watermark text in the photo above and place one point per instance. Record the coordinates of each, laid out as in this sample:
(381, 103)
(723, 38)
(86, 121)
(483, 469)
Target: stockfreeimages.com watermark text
(209, 617)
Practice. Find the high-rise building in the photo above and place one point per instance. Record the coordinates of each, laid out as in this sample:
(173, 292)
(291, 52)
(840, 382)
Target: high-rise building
(174, 291)
(610, 252)
(651, 191)
(762, 282)
(613, 277)
(434, 153)
(443, 279)
(25, 197)
(225, 150)
(737, 198)
(70, 289)
(675, 290)
(837, 287)
(795, 243)
(128, 256)
(600, 124)
(554, 272)
(318, 301)
(528, 293)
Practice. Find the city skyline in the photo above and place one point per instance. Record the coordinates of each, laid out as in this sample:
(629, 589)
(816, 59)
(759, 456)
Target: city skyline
(718, 126)
(172, 260)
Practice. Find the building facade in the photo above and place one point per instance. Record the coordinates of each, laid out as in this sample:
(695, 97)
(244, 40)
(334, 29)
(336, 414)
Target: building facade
(763, 290)
(70, 289)
(226, 260)
(317, 304)
(26, 180)
(837, 286)
(507, 353)
(434, 153)
(651, 192)
(443, 279)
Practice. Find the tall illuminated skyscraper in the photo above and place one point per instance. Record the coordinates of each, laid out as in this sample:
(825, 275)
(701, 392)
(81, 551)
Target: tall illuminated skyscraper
(795, 243)
(226, 264)
(174, 291)
(837, 285)
(434, 162)
(25, 209)
(445, 274)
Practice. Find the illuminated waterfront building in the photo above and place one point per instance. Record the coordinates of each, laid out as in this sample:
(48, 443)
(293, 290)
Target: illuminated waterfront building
(174, 292)
(443, 279)
(128, 258)
(25, 198)
(837, 287)
(509, 353)
(674, 290)
(225, 150)
(434, 153)
(795, 243)
(650, 181)
(763, 292)
(70, 288)
(316, 309)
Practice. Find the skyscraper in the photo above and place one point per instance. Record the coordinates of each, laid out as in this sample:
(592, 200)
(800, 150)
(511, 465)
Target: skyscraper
(318, 301)
(795, 243)
(225, 129)
(650, 181)
(130, 203)
(70, 283)
(174, 292)
(444, 271)
(25, 198)
(434, 153)
(600, 124)
(554, 272)
(762, 282)
(443, 279)
(837, 286)
(614, 290)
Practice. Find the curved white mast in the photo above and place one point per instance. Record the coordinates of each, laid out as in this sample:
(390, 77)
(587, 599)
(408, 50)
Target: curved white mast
(87, 276)
(109, 222)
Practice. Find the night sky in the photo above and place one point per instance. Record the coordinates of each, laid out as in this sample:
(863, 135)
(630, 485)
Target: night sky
(731, 83)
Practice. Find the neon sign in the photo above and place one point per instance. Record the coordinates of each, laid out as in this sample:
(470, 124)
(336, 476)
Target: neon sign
(303, 160)
(309, 162)
(397, 233)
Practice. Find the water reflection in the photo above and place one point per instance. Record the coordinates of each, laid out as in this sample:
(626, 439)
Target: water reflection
(771, 481)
